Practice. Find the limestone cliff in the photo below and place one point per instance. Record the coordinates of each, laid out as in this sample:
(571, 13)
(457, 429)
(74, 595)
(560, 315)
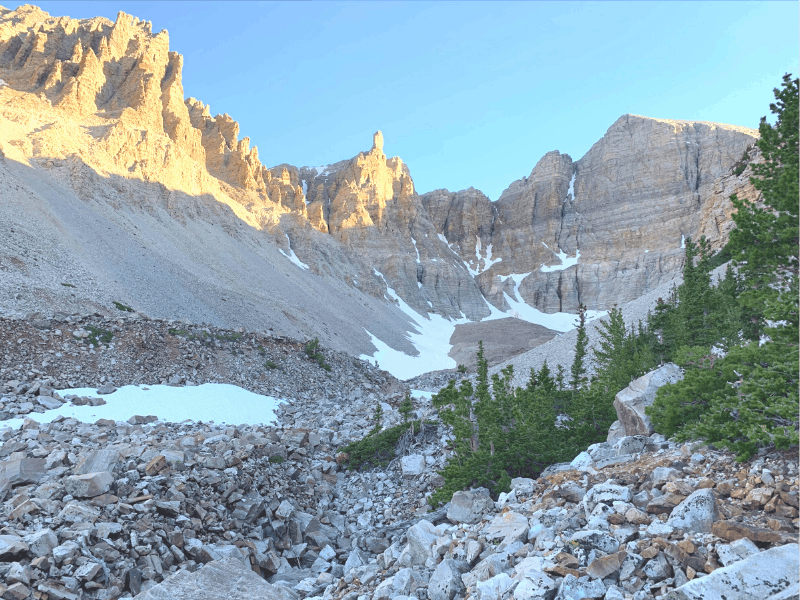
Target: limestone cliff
(99, 106)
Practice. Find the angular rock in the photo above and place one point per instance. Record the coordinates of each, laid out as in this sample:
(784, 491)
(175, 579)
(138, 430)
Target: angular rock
(42, 542)
(509, 526)
(412, 465)
(631, 402)
(11, 546)
(572, 588)
(89, 485)
(445, 583)
(697, 513)
(763, 575)
(218, 580)
(470, 506)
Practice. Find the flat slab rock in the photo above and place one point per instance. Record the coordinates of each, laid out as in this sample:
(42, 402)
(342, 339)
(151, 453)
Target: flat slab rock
(218, 580)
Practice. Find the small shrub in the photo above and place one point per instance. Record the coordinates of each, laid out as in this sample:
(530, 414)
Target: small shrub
(68, 285)
(97, 335)
(462, 368)
(122, 307)
(271, 365)
(377, 448)
(406, 408)
(312, 351)
(277, 459)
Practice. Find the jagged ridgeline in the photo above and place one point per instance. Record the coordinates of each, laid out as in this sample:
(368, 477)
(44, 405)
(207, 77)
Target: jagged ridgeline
(96, 128)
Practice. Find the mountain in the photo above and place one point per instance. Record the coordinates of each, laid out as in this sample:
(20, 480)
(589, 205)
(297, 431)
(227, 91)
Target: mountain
(117, 188)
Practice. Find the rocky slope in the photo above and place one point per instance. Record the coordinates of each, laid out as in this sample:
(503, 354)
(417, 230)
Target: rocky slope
(159, 510)
(120, 186)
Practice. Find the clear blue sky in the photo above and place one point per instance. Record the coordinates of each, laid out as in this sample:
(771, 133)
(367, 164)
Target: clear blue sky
(467, 94)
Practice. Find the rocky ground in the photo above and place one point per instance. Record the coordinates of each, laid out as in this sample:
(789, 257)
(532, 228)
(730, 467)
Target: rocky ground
(201, 510)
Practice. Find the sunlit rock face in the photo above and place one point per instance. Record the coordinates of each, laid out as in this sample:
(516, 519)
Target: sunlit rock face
(599, 231)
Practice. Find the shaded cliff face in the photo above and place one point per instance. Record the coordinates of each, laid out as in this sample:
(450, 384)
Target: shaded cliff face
(99, 107)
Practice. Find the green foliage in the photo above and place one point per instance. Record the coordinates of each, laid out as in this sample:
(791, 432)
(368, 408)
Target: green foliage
(462, 368)
(406, 408)
(499, 433)
(68, 285)
(377, 448)
(277, 459)
(312, 351)
(271, 365)
(578, 371)
(122, 307)
(98, 335)
(747, 399)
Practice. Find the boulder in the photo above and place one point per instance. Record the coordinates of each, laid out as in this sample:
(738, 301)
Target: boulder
(495, 588)
(697, 513)
(89, 485)
(445, 583)
(421, 538)
(470, 506)
(42, 542)
(767, 574)
(509, 526)
(572, 588)
(536, 585)
(631, 402)
(218, 580)
(412, 465)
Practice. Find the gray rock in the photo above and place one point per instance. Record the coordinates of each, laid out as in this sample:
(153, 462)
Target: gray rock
(421, 538)
(23, 470)
(523, 486)
(495, 588)
(630, 444)
(356, 559)
(768, 574)
(42, 542)
(65, 551)
(596, 540)
(696, 513)
(662, 475)
(470, 506)
(536, 585)
(606, 493)
(412, 465)
(615, 432)
(49, 403)
(509, 526)
(658, 568)
(445, 583)
(218, 580)
(10, 546)
(94, 461)
(631, 402)
(572, 588)
(89, 485)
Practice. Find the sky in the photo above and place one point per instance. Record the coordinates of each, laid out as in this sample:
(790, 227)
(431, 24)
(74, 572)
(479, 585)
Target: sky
(466, 93)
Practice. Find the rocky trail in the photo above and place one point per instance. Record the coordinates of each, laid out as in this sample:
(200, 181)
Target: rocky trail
(156, 510)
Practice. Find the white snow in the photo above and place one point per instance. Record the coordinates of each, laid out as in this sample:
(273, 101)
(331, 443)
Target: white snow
(444, 239)
(431, 338)
(566, 261)
(646, 250)
(2, 83)
(683, 242)
(292, 256)
(321, 170)
(217, 402)
(571, 189)
(305, 188)
(415, 248)
(518, 308)
(422, 394)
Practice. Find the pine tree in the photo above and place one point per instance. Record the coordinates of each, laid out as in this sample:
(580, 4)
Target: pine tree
(578, 370)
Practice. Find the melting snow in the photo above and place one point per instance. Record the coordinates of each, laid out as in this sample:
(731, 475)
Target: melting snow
(321, 170)
(683, 241)
(292, 256)
(305, 188)
(218, 402)
(444, 239)
(571, 189)
(415, 248)
(519, 309)
(566, 261)
(431, 339)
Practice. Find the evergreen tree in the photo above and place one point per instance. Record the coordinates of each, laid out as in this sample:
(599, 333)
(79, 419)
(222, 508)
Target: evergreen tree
(578, 370)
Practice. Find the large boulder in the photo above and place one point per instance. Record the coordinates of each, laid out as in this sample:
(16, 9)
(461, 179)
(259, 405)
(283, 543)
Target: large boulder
(218, 580)
(696, 513)
(445, 583)
(631, 402)
(769, 574)
(470, 506)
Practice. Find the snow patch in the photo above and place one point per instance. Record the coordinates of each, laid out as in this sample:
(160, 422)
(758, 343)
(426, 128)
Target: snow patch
(566, 261)
(415, 248)
(683, 242)
(571, 190)
(217, 402)
(292, 256)
(431, 338)
(321, 170)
